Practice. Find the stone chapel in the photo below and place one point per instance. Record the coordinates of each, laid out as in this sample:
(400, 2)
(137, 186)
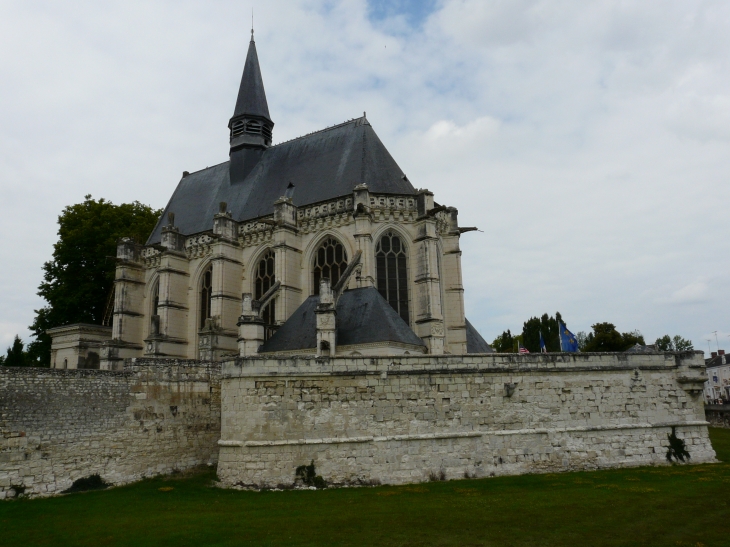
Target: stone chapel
(302, 303)
(318, 245)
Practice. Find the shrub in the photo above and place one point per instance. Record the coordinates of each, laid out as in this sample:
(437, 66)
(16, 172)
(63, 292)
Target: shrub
(92, 482)
(307, 474)
(435, 477)
(677, 448)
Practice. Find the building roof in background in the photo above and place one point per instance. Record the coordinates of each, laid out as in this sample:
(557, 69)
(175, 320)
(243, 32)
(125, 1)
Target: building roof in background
(638, 348)
(716, 360)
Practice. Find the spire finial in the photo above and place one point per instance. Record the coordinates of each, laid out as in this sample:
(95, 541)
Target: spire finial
(252, 24)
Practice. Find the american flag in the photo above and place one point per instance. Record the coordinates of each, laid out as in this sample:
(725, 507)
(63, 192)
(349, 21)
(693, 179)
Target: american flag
(523, 349)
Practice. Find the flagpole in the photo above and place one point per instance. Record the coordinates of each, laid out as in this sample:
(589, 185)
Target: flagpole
(560, 337)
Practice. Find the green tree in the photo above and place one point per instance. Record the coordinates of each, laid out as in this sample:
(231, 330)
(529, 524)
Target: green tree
(632, 338)
(16, 355)
(605, 337)
(504, 343)
(682, 344)
(548, 326)
(665, 343)
(78, 280)
(581, 337)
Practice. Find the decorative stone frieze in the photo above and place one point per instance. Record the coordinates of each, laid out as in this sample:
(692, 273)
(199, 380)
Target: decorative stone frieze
(199, 246)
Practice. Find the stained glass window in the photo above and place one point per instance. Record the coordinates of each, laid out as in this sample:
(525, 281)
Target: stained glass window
(330, 262)
(265, 278)
(206, 295)
(392, 272)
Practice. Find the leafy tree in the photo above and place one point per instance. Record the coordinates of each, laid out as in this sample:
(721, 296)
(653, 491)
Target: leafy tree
(546, 324)
(605, 337)
(504, 343)
(16, 356)
(665, 343)
(581, 337)
(78, 280)
(632, 338)
(682, 344)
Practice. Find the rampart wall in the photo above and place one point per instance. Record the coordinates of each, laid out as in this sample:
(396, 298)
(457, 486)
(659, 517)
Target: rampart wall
(386, 419)
(398, 420)
(60, 425)
(718, 415)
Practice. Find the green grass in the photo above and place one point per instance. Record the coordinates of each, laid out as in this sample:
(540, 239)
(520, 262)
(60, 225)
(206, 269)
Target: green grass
(669, 506)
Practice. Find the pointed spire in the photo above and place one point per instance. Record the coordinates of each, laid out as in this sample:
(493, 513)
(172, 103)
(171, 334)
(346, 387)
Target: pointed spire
(251, 95)
(251, 124)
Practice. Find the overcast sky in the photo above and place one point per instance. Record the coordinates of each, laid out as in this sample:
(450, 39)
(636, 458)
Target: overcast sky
(589, 141)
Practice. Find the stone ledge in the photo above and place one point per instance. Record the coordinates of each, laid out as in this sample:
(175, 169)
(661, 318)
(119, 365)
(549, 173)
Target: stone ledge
(459, 435)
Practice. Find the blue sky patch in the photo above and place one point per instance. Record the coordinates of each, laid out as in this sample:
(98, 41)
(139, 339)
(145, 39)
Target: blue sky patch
(415, 12)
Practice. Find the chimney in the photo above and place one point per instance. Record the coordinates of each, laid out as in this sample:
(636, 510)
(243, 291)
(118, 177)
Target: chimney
(713, 354)
(721, 352)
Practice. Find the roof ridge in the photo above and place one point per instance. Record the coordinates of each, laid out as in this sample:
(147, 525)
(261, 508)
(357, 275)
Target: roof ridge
(206, 168)
(361, 118)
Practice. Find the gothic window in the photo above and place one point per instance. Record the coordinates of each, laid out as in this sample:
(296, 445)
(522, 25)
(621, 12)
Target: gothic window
(330, 262)
(206, 294)
(392, 272)
(265, 278)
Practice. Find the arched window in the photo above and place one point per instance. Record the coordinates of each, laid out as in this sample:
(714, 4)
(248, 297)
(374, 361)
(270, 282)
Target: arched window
(265, 278)
(392, 272)
(156, 298)
(330, 262)
(206, 294)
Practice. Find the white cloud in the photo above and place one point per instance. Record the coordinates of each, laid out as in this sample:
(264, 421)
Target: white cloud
(695, 292)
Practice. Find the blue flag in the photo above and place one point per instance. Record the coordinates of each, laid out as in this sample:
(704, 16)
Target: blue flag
(543, 347)
(568, 341)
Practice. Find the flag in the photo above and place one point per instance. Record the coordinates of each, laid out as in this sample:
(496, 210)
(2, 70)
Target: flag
(543, 347)
(523, 349)
(568, 341)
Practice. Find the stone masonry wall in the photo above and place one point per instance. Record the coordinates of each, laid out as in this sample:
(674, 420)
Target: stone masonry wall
(398, 420)
(60, 425)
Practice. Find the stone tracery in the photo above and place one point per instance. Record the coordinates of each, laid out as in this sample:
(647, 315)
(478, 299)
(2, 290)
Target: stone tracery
(265, 278)
(330, 261)
(206, 295)
(392, 272)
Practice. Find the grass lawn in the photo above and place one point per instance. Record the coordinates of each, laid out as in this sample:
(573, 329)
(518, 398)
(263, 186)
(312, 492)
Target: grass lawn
(667, 506)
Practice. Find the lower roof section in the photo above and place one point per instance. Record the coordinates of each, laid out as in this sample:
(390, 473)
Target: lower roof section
(364, 318)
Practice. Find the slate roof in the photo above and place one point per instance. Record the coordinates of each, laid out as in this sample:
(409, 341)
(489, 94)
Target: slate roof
(251, 95)
(363, 317)
(639, 348)
(716, 361)
(474, 341)
(321, 166)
